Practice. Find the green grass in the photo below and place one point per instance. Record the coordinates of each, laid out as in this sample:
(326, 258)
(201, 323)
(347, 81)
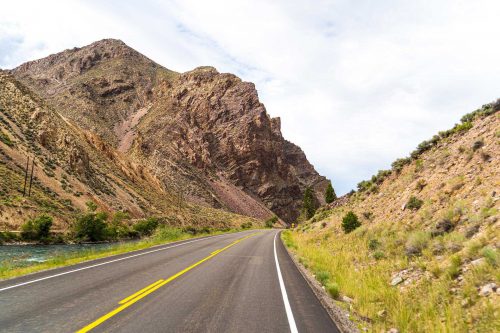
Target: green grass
(346, 265)
(163, 235)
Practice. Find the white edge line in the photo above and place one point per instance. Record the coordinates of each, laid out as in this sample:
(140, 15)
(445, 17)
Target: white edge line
(288, 308)
(107, 262)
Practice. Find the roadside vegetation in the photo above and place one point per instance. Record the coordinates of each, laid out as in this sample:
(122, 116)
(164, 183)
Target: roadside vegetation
(415, 249)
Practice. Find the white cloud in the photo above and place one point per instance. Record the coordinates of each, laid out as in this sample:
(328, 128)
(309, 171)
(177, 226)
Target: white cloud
(357, 84)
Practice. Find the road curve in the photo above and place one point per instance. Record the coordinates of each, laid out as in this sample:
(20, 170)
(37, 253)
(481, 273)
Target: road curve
(241, 282)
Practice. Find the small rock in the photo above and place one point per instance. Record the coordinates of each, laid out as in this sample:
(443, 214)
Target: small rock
(487, 289)
(381, 313)
(397, 280)
(393, 330)
(465, 302)
(477, 262)
(347, 299)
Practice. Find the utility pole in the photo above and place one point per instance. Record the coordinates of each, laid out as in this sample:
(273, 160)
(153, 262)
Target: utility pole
(26, 176)
(31, 178)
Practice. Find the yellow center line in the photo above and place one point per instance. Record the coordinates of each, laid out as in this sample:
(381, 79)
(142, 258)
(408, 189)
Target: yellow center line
(126, 302)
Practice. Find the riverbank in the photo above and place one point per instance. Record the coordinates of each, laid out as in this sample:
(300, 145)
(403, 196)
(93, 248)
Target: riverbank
(163, 235)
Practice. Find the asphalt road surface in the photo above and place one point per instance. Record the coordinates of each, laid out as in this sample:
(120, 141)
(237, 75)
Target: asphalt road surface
(242, 282)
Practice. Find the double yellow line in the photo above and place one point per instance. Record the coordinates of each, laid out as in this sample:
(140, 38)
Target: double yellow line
(135, 297)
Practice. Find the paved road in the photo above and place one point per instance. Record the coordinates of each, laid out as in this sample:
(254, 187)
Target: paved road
(227, 283)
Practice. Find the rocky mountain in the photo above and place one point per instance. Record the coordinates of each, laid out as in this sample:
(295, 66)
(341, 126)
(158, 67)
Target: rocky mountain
(426, 255)
(203, 135)
(73, 166)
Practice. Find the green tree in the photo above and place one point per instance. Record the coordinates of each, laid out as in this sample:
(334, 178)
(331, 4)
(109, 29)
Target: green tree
(350, 222)
(271, 221)
(308, 204)
(38, 228)
(91, 226)
(330, 195)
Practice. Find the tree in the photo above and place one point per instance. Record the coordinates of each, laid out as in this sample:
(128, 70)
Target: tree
(308, 205)
(38, 228)
(330, 195)
(350, 222)
(271, 221)
(91, 226)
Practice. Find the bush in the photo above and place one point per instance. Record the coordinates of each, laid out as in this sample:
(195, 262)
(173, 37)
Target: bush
(377, 255)
(271, 221)
(350, 222)
(414, 203)
(323, 225)
(330, 195)
(91, 226)
(323, 277)
(491, 255)
(454, 268)
(373, 244)
(417, 242)
(477, 144)
(6, 139)
(399, 164)
(146, 227)
(333, 289)
(246, 225)
(37, 229)
(165, 233)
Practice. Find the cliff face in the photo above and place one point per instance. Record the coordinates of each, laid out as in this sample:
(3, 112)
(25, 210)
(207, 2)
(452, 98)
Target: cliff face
(203, 134)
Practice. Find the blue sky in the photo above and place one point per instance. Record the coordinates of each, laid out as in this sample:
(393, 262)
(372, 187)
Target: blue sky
(357, 84)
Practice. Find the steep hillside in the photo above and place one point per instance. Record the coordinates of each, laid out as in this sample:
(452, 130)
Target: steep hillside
(201, 133)
(426, 256)
(73, 166)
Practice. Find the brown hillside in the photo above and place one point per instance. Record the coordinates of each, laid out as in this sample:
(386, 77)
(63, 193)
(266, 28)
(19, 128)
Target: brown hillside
(426, 258)
(202, 132)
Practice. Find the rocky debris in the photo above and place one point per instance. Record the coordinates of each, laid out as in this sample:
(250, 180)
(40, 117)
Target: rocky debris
(472, 230)
(488, 289)
(477, 262)
(396, 280)
(346, 299)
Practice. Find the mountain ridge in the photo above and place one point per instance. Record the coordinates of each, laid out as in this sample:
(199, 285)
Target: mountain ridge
(202, 133)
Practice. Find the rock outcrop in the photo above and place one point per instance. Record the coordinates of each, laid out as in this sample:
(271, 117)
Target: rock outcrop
(204, 135)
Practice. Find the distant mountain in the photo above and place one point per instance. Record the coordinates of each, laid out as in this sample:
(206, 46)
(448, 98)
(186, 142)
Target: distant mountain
(201, 135)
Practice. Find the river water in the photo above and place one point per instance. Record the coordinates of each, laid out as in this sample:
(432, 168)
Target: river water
(25, 255)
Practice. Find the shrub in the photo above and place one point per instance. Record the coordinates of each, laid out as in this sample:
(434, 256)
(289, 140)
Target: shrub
(146, 227)
(368, 215)
(350, 222)
(330, 195)
(491, 255)
(323, 224)
(414, 203)
(167, 233)
(246, 225)
(477, 144)
(91, 226)
(6, 139)
(399, 164)
(37, 229)
(373, 244)
(333, 289)
(271, 221)
(416, 242)
(454, 268)
(323, 277)
(377, 255)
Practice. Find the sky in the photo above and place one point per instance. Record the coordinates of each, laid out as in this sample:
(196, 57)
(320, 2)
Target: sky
(357, 84)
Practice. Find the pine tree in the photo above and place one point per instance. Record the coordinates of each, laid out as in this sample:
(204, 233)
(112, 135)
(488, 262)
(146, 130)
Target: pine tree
(308, 206)
(350, 222)
(330, 195)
